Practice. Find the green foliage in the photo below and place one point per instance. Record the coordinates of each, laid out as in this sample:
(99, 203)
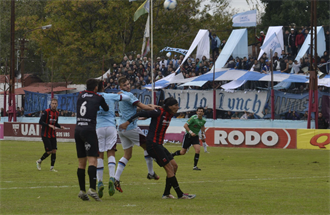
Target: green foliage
(284, 13)
(83, 32)
(232, 181)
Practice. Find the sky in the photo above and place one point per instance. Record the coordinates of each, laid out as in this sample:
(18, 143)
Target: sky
(240, 5)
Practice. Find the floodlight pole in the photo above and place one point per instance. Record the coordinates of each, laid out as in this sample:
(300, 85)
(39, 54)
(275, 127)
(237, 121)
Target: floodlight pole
(153, 93)
(12, 104)
(313, 105)
(214, 91)
(272, 86)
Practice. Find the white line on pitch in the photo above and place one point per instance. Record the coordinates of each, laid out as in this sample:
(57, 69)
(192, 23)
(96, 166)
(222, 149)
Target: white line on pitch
(181, 182)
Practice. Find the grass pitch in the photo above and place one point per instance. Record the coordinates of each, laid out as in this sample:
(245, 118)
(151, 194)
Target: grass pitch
(232, 181)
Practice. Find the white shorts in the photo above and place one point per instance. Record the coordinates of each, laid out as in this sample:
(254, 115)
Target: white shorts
(132, 137)
(107, 137)
(200, 135)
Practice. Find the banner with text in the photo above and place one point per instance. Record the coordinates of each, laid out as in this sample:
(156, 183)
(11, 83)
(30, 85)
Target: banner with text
(289, 101)
(190, 100)
(35, 102)
(252, 138)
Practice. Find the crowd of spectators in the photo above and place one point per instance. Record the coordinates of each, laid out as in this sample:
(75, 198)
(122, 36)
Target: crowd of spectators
(20, 113)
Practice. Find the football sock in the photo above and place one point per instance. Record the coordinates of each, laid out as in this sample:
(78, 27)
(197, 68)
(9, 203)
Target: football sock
(205, 146)
(44, 156)
(99, 171)
(176, 153)
(174, 183)
(120, 168)
(112, 166)
(81, 179)
(92, 177)
(149, 162)
(168, 186)
(196, 158)
(53, 159)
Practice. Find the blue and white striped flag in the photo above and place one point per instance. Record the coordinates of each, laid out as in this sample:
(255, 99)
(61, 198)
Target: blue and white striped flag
(245, 19)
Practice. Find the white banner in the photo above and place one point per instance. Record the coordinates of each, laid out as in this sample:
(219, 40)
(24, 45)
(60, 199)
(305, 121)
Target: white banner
(272, 43)
(190, 100)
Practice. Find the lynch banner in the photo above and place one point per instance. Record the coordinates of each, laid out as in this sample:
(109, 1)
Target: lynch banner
(35, 102)
(288, 101)
(190, 100)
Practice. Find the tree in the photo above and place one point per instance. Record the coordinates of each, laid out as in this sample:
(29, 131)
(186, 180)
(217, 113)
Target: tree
(84, 31)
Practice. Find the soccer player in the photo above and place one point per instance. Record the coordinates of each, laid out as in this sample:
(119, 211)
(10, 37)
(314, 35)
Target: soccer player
(107, 138)
(160, 120)
(88, 104)
(193, 126)
(49, 122)
(133, 135)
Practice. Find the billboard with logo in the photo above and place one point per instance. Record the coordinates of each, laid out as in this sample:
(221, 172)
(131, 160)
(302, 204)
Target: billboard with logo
(31, 131)
(313, 139)
(251, 138)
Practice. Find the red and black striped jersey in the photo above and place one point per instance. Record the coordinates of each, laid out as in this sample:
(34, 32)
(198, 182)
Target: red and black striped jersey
(160, 120)
(49, 117)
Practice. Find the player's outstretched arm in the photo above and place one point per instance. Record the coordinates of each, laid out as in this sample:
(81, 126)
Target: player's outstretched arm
(147, 107)
(144, 114)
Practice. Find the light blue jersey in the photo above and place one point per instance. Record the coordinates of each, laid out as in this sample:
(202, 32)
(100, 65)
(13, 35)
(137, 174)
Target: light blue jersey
(107, 118)
(127, 109)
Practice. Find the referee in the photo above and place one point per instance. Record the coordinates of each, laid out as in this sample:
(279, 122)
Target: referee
(48, 122)
(160, 120)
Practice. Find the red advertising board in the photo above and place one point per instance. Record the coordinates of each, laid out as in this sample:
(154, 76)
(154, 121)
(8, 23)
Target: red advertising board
(21, 129)
(32, 130)
(252, 138)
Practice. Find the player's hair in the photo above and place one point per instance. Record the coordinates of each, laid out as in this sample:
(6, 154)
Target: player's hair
(53, 99)
(169, 102)
(122, 80)
(200, 108)
(91, 84)
(100, 86)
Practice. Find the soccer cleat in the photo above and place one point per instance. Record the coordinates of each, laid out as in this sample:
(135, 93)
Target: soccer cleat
(83, 195)
(196, 168)
(38, 165)
(53, 170)
(169, 196)
(187, 196)
(100, 188)
(206, 151)
(154, 176)
(92, 193)
(117, 186)
(111, 186)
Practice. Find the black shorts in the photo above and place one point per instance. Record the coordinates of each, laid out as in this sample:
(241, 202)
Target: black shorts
(86, 143)
(49, 143)
(190, 140)
(160, 153)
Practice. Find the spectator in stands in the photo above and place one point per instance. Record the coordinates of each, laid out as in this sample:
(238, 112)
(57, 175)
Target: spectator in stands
(299, 40)
(264, 56)
(245, 115)
(288, 115)
(296, 66)
(292, 43)
(251, 116)
(327, 41)
(321, 122)
(222, 45)
(261, 38)
(266, 68)
(275, 57)
(215, 43)
(325, 56)
(284, 64)
(159, 76)
(266, 114)
(18, 112)
(305, 116)
(286, 41)
(2, 112)
(239, 64)
(228, 115)
(249, 63)
(124, 61)
(235, 116)
(323, 66)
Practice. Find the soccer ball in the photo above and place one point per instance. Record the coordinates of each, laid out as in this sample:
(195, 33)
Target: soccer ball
(170, 4)
(168, 54)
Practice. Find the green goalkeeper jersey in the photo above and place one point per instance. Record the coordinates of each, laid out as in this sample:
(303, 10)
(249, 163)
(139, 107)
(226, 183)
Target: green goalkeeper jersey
(195, 124)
